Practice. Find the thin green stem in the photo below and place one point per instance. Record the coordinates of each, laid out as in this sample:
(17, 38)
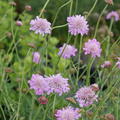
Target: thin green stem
(98, 22)
(88, 71)
(91, 10)
(79, 55)
(44, 8)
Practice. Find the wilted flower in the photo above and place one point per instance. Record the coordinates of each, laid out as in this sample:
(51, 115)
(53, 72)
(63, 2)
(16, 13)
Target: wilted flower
(109, 117)
(85, 96)
(36, 57)
(39, 84)
(42, 100)
(32, 45)
(114, 15)
(19, 23)
(66, 51)
(77, 25)
(68, 113)
(28, 8)
(70, 99)
(57, 84)
(40, 26)
(12, 3)
(92, 47)
(118, 64)
(109, 2)
(94, 87)
(106, 64)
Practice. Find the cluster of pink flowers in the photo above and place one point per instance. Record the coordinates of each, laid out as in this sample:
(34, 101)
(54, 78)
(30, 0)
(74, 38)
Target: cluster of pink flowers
(46, 85)
(85, 96)
(68, 113)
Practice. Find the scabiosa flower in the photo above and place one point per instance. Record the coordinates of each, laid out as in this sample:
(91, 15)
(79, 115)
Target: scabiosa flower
(85, 96)
(92, 47)
(113, 14)
(36, 57)
(39, 84)
(77, 25)
(68, 113)
(66, 51)
(106, 64)
(40, 26)
(57, 84)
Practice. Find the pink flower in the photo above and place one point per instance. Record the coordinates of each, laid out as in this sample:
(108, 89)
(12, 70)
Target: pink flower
(41, 26)
(68, 113)
(85, 96)
(66, 51)
(113, 14)
(92, 47)
(77, 25)
(39, 84)
(57, 84)
(36, 57)
(106, 64)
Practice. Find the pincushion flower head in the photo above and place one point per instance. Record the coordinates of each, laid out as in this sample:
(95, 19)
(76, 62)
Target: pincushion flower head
(36, 57)
(77, 25)
(39, 84)
(85, 96)
(57, 84)
(93, 48)
(66, 51)
(68, 113)
(118, 62)
(114, 15)
(40, 26)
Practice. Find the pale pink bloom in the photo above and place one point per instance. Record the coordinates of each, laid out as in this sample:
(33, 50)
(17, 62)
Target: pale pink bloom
(113, 14)
(66, 51)
(85, 96)
(57, 84)
(39, 84)
(68, 113)
(36, 57)
(106, 64)
(77, 25)
(40, 26)
(92, 47)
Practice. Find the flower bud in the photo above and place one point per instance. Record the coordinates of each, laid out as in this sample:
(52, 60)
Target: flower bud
(36, 57)
(109, 117)
(70, 99)
(28, 8)
(19, 23)
(43, 100)
(109, 2)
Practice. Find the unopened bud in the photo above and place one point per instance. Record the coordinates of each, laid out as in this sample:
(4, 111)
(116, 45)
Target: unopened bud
(42, 100)
(28, 8)
(109, 2)
(19, 23)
